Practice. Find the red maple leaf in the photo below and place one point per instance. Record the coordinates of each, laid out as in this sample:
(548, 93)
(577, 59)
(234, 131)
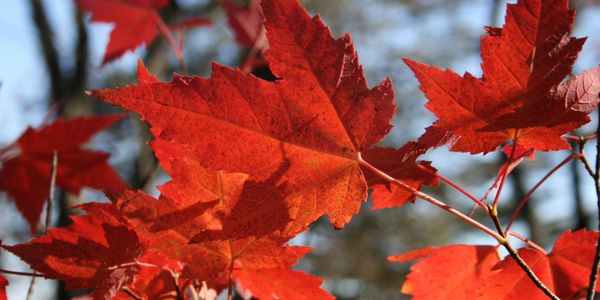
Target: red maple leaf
(247, 24)
(516, 98)
(26, 176)
(209, 260)
(280, 283)
(581, 92)
(136, 22)
(565, 270)
(96, 250)
(448, 272)
(3, 283)
(304, 130)
(245, 208)
(402, 164)
(155, 282)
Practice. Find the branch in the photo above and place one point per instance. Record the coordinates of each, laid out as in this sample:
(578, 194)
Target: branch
(455, 186)
(49, 51)
(527, 241)
(229, 281)
(505, 173)
(431, 200)
(584, 160)
(21, 273)
(166, 32)
(51, 190)
(580, 213)
(528, 270)
(500, 236)
(130, 293)
(594, 273)
(537, 185)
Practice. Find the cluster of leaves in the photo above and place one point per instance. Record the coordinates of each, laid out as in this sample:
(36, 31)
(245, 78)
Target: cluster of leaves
(253, 162)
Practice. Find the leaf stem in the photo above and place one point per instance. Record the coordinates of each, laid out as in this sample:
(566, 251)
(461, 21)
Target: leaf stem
(506, 243)
(193, 294)
(431, 200)
(137, 263)
(130, 293)
(164, 29)
(583, 158)
(537, 185)
(594, 273)
(51, 190)
(456, 186)
(175, 277)
(528, 270)
(505, 173)
(500, 236)
(526, 240)
(229, 281)
(21, 273)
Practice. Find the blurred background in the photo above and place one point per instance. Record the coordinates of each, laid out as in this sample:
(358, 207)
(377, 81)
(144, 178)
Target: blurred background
(50, 53)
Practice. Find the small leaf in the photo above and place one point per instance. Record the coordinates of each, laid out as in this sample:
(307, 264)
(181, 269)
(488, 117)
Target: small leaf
(88, 253)
(26, 176)
(448, 272)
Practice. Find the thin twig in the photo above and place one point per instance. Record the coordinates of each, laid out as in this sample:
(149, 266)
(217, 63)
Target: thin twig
(51, 190)
(21, 273)
(537, 185)
(175, 277)
(500, 236)
(164, 29)
(506, 244)
(527, 241)
(135, 263)
(455, 186)
(528, 270)
(505, 173)
(193, 294)
(594, 273)
(229, 282)
(431, 200)
(584, 160)
(130, 293)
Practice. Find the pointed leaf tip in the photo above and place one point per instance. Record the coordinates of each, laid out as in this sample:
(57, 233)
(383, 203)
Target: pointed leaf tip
(144, 75)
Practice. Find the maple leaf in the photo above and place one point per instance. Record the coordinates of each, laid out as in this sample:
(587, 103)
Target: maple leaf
(245, 208)
(280, 284)
(402, 164)
(155, 282)
(93, 251)
(136, 22)
(305, 129)
(247, 24)
(208, 260)
(448, 272)
(565, 270)
(581, 92)
(523, 63)
(26, 177)
(3, 283)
